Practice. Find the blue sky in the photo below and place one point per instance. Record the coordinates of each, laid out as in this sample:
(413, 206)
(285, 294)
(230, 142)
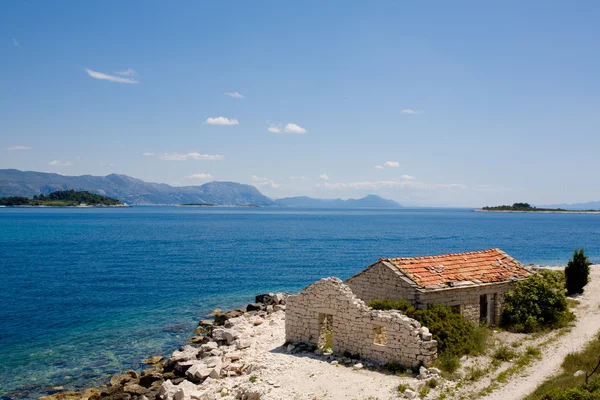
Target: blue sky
(427, 103)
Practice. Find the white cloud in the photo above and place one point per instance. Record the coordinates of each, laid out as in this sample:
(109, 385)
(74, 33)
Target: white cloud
(200, 176)
(409, 111)
(127, 72)
(190, 156)
(408, 177)
(297, 178)
(274, 128)
(107, 77)
(392, 164)
(293, 128)
(16, 43)
(324, 177)
(18, 147)
(58, 163)
(264, 182)
(235, 95)
(269, 183)
(379, 167)
(148, 154)
(222, 121)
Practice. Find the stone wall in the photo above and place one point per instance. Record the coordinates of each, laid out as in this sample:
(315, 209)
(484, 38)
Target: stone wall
(382, 336)
(383, 281)
(468, 300)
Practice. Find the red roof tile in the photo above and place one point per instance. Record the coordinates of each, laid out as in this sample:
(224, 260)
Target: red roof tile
(487, 266)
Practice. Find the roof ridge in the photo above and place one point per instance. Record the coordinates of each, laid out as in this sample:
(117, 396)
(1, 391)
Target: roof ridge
(447, 254)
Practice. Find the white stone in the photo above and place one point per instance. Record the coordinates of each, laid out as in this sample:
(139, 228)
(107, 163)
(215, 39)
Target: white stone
(410, 394)
(243, 344)
(209, 346)
(579, 373)
(167, 390)
(357, 366)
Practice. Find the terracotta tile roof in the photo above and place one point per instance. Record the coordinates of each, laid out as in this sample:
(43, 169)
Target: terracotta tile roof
(458, 269)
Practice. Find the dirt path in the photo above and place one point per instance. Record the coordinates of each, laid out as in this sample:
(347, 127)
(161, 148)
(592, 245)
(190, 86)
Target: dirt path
(587, 325)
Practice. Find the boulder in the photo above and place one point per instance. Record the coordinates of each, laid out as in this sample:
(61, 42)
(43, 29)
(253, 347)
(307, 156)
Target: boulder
(200, 339)
(148, 379)
(120, 379)
(167, 390)
(434, 371)
(357, 366)
(153, 360)
(182, 366)
(186, 353)
(185, 391)
(224, 335)
(278, 307)
(198, 372)
(209, 346)
(134, 388)
(220, 318)
(254, 307)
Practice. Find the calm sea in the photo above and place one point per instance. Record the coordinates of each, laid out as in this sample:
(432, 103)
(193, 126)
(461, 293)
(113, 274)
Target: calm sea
(90, 292)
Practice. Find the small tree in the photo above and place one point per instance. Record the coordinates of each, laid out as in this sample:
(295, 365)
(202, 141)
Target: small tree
(577, 272)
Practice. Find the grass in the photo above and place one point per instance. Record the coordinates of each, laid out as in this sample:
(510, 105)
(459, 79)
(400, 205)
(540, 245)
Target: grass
(448, 363)
(503, 353)
(585, 360)
(475, 373)
(253, 379)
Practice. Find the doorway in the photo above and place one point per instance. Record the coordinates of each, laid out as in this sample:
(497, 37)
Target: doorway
(325, 331)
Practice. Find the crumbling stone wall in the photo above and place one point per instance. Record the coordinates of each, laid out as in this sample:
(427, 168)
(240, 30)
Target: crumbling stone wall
(383, 281)
(382, 336)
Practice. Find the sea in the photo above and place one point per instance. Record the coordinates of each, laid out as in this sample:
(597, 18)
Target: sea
(90, 292)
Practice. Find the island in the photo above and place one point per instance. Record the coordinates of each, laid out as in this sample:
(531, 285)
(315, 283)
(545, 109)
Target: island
(62, 198)
(526, 207)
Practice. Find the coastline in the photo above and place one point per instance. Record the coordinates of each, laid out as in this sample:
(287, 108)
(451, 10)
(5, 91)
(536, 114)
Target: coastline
(539, 212)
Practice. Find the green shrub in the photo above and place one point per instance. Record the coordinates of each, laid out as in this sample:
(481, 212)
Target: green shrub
(503, 353)
(448, 362)
(454, 335)
(577, 272)
(537, 303)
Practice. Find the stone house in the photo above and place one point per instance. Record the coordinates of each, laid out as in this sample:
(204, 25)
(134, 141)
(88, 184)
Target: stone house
(474, 283)
(328, 314)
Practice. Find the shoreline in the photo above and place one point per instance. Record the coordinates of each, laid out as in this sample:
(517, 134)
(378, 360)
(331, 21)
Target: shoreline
(540, 212)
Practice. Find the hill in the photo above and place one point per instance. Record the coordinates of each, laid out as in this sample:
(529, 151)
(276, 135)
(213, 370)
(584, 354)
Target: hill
(129, 190)
(370, 201)
(591, 205)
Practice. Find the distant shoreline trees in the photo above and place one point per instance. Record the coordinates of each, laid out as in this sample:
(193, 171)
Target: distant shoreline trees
(60, 198)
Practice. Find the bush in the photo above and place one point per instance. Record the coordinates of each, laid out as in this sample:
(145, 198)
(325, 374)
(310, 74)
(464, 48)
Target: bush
(448, 362)
(537, 303)
(577, 272)
(503, 353)
(454, 335)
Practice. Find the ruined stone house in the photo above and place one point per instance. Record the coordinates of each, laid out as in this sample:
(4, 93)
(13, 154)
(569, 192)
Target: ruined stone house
(473, 283)
(327, 314)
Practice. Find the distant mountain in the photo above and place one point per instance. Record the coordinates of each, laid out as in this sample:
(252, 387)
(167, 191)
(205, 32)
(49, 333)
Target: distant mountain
(592, 205)
(370, 201)
(130, 190)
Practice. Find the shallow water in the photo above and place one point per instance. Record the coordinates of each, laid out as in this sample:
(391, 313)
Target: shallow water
(90, 292)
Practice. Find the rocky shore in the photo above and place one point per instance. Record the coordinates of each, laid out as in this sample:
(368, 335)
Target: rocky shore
(222, 348)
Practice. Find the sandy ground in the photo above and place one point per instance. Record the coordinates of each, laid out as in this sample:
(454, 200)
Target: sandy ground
(586, 327)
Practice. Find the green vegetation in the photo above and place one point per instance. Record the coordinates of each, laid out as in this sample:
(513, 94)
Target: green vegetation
(527, 207)
(61, 198)
(537, 303)
(577, 272)
(566, 386)
(455, 336)
(503, 353)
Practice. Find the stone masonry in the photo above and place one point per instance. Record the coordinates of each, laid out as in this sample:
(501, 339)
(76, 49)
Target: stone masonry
(328, 312)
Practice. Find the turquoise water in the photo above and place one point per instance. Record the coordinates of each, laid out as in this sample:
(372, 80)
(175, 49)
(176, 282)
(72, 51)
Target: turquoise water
(90, 292)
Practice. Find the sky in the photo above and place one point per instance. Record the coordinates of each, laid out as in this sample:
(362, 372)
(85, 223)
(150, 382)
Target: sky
(430, 103)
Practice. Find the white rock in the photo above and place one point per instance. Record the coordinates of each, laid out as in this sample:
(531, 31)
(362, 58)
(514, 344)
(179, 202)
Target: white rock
(410, 394)
(225, 335)
(258, 321)
(187, 353)
(243, 344)
(579, 373)
(167, 390)
(290, 348)
(198, 372)
(334, 362)
(357, 366)
(278, 307)
(209, 346)
(434, 370)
